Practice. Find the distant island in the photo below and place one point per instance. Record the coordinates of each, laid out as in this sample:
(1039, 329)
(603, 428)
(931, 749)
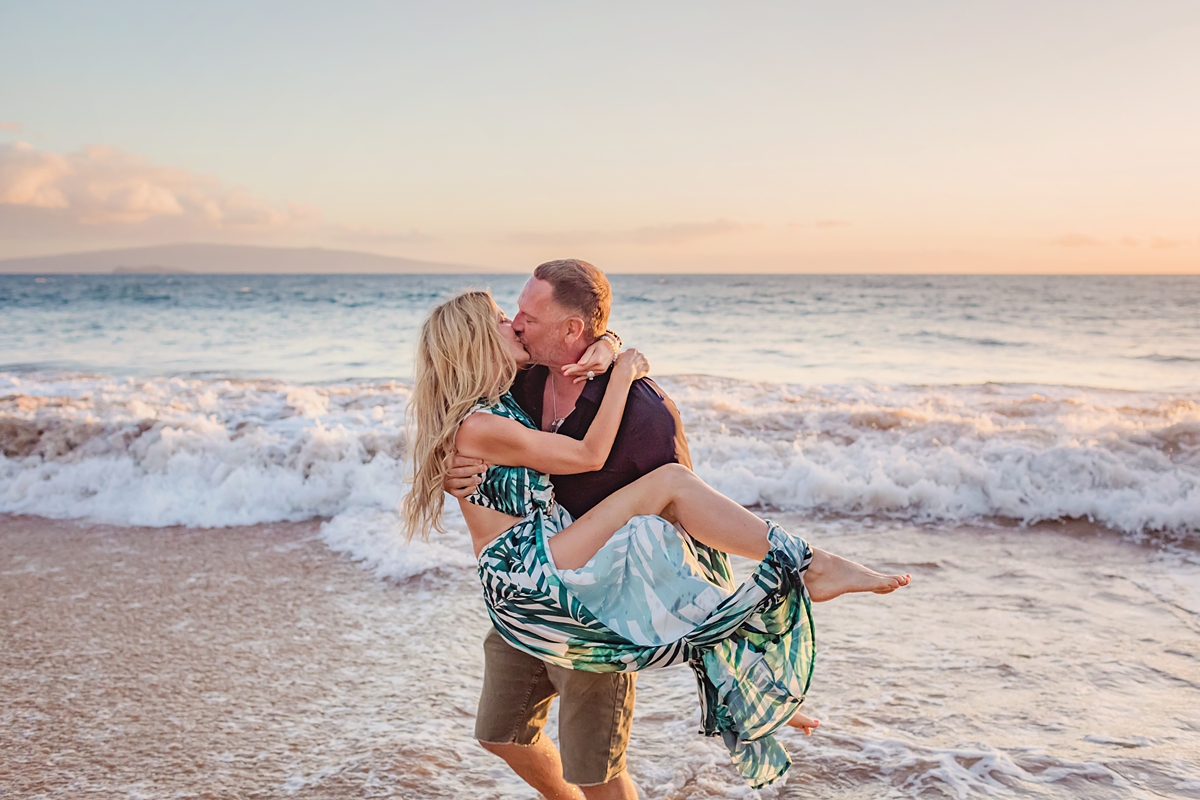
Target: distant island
(172, 259)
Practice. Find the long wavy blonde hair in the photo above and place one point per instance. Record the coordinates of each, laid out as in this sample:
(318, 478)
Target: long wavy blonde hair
(461, 359)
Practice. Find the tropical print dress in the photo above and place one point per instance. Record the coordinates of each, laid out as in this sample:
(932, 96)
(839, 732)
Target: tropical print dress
(654, 597)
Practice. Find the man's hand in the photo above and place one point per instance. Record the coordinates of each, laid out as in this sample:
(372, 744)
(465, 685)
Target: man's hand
(464, 475)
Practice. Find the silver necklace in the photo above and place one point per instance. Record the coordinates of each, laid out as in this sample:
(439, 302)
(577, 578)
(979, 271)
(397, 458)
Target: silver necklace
(557, 422)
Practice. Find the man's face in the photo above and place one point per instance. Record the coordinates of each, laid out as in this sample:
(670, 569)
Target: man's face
(542, 324)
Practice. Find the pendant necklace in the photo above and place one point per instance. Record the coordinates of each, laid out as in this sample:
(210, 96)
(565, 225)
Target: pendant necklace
(558, 421)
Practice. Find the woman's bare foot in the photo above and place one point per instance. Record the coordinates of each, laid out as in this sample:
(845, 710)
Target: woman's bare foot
(829, 576)
(806, 724)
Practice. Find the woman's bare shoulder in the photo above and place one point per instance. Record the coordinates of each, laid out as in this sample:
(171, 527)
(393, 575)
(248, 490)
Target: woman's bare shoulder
(480, 427)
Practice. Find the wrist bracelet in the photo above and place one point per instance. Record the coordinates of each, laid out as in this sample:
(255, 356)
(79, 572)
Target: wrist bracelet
(614, 342)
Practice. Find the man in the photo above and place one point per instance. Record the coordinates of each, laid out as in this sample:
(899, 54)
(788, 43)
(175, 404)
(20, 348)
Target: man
(563, 309)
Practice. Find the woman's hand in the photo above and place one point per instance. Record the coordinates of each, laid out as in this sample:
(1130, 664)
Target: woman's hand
(596, 360)
(631, 365)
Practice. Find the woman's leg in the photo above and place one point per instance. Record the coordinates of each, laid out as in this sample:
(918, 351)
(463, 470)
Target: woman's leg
(672, 491)
(675, 492)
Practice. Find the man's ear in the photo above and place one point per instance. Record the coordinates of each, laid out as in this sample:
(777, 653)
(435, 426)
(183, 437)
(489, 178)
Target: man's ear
(574, 329)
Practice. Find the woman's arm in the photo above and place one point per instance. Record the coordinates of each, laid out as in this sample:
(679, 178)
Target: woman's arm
(497, 440)
(596, 359)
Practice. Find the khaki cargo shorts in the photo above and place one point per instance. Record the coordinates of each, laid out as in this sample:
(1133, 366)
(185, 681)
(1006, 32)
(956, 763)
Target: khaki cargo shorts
(594, 714)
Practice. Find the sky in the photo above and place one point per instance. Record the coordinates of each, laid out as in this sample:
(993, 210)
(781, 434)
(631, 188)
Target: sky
(922, 137)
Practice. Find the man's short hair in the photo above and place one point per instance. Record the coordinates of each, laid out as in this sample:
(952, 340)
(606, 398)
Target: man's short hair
(581, 288)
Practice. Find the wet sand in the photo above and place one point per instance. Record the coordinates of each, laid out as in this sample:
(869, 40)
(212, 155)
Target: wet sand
(254, 662)
(237, 662)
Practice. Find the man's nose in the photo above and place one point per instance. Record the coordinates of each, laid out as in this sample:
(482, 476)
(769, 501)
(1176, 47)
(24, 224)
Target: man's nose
(518, 322)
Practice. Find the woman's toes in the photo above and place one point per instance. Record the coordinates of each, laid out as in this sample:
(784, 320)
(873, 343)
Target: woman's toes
(893, 582)
(805, 723)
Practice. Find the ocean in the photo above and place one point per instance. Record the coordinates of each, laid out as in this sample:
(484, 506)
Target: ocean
(1028, 447)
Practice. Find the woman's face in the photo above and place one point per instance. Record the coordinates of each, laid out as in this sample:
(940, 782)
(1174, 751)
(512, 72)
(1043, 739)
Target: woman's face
(510, 339)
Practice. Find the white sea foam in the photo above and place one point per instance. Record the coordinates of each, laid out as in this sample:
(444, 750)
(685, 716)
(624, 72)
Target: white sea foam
(373, 537)
(1128, 460)
(206, 453)
(913, 770)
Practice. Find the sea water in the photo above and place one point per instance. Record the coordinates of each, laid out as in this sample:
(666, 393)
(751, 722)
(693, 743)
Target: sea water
(228, 400)
(942, 420)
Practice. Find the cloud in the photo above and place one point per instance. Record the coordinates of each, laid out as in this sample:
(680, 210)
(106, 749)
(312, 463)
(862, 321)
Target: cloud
(368, 234)
(105, 186)
(11, 127)
(1162, 243)
(1130, 241)
(826, 224)
(651, 235)
(1077, 240)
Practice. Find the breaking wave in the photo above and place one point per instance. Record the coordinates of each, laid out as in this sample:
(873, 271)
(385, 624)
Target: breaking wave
(1130, 461)
(219, 452)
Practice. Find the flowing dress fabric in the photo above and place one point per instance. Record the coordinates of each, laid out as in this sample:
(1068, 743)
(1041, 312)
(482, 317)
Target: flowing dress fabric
(654, 597)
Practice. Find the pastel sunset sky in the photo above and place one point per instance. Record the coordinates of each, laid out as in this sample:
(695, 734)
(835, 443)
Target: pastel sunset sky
(926, 137)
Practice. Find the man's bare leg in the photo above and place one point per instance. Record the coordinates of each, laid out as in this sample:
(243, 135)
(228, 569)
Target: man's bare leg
(540, 765)
(619, 788)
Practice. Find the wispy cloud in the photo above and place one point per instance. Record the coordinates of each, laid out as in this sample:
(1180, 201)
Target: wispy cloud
(826, 224)
(1076, 240)
(651, 235)
(103, 185)
(1163, 243)
(11, 127)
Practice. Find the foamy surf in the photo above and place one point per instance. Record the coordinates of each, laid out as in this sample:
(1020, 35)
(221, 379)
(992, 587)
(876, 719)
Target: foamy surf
(1128, 460)
(207, 452)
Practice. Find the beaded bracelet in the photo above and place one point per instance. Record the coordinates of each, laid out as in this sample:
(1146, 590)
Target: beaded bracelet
(614, 342)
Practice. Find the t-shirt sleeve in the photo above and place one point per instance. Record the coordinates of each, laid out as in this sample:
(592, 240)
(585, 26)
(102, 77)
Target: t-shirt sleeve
(520, 391)
(656, 431)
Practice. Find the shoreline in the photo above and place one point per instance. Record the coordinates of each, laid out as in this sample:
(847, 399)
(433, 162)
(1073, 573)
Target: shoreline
(257, 662)
(186, 662)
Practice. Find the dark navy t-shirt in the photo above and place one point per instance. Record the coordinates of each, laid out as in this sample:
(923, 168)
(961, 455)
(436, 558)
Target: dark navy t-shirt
(651, 434)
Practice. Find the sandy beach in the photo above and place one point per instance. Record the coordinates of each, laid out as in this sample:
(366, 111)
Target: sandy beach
(255, 662)
(240, 662)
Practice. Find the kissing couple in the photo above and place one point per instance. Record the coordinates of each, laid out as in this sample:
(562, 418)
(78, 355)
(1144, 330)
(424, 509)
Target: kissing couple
(600, 552)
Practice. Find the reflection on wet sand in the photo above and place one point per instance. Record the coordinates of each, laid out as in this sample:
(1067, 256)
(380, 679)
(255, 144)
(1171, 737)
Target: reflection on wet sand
(255, 662)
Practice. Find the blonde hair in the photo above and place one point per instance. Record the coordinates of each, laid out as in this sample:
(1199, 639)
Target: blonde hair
(461, 359)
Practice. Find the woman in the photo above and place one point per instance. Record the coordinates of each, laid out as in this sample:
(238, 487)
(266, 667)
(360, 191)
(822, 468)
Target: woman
(639, 581)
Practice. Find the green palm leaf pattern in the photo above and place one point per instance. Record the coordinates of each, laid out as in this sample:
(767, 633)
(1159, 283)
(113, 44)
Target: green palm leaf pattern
(515, 491)
(752, 652)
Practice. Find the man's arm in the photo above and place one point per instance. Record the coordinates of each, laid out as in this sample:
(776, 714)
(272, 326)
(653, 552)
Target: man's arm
(657, 430)
(464, 475)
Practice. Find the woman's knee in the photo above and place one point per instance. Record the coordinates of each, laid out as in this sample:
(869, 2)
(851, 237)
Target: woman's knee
(674, 477)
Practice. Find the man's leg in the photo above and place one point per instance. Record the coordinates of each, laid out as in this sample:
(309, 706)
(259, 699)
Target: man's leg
(512, 712)
(619, 788)
(594, 716)
(539, 765)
